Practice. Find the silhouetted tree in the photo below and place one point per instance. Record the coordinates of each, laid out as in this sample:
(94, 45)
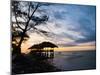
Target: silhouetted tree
(24, 19)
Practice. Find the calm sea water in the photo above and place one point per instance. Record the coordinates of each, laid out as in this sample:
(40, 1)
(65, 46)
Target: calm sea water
(76, 60)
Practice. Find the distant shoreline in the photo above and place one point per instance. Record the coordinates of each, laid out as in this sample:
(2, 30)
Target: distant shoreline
(72, 50)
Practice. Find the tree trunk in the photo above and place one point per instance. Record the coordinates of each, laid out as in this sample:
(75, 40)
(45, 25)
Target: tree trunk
(24, 31)
(18, 50)
(21, 40)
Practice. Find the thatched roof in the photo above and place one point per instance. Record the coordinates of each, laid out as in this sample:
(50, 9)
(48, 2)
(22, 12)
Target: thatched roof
(43, 45)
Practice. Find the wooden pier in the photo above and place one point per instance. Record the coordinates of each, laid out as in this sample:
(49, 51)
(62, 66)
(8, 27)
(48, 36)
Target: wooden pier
(44, 49)
(44, 53)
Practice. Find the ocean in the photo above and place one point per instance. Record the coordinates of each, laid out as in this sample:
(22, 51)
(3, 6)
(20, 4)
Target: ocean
(74, 60)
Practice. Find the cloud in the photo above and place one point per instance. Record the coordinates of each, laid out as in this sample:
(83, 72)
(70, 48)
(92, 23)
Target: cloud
(70, 23)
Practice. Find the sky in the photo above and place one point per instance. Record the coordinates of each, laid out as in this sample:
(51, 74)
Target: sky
(69, 26)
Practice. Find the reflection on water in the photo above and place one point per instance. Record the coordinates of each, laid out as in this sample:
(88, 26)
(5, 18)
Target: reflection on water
(74, 60)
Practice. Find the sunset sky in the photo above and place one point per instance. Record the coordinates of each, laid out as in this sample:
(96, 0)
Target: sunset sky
(71, 27)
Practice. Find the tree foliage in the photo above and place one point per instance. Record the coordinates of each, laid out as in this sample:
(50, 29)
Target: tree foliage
(25, 17)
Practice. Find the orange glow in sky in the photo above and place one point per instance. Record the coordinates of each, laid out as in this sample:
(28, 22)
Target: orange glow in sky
(37, 39)
(70, 48)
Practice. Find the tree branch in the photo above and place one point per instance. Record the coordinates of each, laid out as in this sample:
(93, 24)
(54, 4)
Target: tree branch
(31, 17)
(18, 23)
(24, 31)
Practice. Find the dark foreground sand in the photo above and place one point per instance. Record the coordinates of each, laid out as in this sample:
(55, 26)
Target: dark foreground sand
(23, 64)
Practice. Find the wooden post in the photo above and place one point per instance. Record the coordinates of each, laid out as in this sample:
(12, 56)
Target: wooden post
(47, 53)
(52, 53)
